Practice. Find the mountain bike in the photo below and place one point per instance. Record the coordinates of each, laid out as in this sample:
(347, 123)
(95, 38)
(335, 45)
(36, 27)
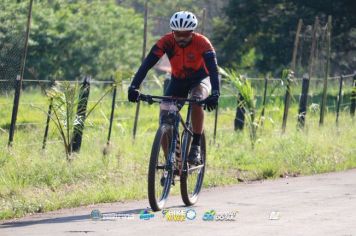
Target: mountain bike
(168, 160)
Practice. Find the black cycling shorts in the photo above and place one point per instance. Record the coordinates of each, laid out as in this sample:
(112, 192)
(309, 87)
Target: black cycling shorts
(181, 88)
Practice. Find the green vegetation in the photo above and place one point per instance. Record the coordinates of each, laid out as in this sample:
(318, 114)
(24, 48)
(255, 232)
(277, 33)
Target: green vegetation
(102, 39)
(35, 180)
(265, 31)
(70, 39)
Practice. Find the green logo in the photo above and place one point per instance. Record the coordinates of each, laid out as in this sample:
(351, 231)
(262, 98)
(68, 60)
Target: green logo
(209, 215)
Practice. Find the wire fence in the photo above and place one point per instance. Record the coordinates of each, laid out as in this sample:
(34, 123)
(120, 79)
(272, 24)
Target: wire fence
(102, 117)
(311, 58)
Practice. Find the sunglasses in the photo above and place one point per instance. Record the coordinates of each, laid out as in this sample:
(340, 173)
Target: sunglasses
(182, 34)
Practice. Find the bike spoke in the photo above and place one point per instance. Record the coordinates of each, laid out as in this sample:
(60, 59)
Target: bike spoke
(195, 168)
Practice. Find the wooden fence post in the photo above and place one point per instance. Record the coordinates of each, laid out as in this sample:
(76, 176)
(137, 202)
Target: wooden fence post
(216, 113)
(353, 98)
(19, 79)
(325, 87)
(339, 99)
(81, 114)
(288, 95)
(112, 110)
(303, 101)
(240, 113)
(264, 100)
(47, 123)
(143, 57)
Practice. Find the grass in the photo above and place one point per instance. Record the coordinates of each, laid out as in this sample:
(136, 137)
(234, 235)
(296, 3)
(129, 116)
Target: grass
(35, 180)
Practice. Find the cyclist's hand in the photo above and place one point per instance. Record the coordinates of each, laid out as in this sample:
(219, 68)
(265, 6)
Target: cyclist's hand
(212, 101)
(133, 94)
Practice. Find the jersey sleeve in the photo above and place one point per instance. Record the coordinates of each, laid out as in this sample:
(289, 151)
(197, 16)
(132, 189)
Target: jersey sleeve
(205, 45)
(163, 45)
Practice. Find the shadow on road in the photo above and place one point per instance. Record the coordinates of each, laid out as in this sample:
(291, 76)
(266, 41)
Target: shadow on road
(65, 219)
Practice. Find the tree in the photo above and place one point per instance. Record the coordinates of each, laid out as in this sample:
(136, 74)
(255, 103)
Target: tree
(12, 34)
(70, 39)
(269, 27)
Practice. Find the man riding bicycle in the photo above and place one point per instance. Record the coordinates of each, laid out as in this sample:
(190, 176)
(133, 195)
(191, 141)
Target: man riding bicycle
(194, 70)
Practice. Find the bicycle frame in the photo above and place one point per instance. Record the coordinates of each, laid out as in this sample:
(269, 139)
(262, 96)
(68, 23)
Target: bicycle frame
(169, 124)
(177, 119)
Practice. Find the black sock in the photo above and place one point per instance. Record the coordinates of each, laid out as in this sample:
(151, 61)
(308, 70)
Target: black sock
(196, 139)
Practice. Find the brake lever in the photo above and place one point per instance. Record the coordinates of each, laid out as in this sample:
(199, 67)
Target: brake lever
(146, 98)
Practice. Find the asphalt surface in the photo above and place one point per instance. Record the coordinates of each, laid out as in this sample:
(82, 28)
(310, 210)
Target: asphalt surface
(312, 205)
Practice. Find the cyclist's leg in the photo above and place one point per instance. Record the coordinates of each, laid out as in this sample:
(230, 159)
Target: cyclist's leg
(199, 91)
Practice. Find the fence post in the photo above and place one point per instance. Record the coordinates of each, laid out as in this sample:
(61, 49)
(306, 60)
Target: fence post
(287, 98)
(264, 100)
(112, 110)
(339, 99)
(353, 98)
(240, 113)
(288, 95)
(19, 78)
(47, 124)
(143, 57)
(15, 109)
(81, 114)
(216, 113)
(325, 87)
(203, 21)
(303, 101)
(48, 118)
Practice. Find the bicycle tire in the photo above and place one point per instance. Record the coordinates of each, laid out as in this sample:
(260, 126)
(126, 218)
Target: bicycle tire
(190, 191)
(157, 160)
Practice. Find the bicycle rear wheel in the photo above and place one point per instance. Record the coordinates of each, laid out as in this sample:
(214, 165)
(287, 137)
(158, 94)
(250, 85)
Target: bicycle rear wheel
(159, 178)
(192, 177)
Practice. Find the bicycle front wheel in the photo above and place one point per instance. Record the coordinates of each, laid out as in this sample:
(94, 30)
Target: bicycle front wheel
(192, 177)
(159, 178)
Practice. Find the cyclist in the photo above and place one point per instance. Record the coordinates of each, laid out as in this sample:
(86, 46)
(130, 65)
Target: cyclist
(194, 70)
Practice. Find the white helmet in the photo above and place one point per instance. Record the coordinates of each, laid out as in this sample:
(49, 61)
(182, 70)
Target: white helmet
(183, 21)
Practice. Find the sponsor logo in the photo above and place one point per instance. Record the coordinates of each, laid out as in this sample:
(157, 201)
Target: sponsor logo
(179, 215)
(146, 215)
(212, 215)
(209, 215)
(229, 216)
(274, 215)
(174, 215)
(97, 215)
(191, 214)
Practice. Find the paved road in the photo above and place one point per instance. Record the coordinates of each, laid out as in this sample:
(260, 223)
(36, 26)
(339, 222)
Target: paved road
(312, 205)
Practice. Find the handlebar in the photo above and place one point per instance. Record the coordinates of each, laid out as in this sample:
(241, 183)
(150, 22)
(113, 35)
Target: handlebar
(157, 99)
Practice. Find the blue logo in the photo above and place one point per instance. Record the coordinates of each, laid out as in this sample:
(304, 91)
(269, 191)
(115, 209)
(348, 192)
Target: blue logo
(146, 215)
(191, 214)
(209, 215)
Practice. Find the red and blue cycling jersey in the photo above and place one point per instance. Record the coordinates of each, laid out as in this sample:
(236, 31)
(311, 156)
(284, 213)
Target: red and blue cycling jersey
(194, 62)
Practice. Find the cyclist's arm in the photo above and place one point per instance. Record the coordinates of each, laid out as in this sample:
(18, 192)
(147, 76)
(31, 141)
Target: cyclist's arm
(151, 59)
(212, 66)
